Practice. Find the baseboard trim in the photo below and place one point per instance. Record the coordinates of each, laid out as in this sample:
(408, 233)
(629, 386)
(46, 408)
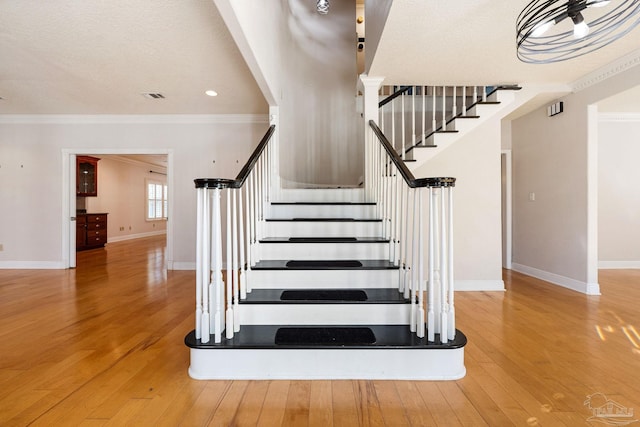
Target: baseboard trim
(618, 264)
(136, 236)
(479, 285)
(556, 279)
(31, 265)
(177, 265)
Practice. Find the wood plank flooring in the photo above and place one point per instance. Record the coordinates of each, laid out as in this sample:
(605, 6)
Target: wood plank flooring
(102, 345)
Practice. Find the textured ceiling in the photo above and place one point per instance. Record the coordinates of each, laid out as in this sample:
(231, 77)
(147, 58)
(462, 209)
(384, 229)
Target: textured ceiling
(97, 57)
(471, 42)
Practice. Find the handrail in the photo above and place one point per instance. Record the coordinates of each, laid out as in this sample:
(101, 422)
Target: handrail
(244, 172)
(393, 96)
(408, 177)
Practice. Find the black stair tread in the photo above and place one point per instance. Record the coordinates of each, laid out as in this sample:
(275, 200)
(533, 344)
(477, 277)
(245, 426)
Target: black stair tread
(324, 240)
(325, 203)
(488, 102)
(325, 219)
(263, 337)
(465, 117)
(366, 264)
(325, 336)
(373, 296)
(446, 131)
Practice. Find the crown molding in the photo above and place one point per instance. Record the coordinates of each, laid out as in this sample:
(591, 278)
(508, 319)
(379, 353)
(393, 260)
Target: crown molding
(619, 117)
(134, 119)
(603, 73)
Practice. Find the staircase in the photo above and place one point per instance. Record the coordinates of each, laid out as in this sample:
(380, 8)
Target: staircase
(325, 283)
(422, 121)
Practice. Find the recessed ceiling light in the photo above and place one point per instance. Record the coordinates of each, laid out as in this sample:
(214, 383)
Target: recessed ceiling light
(211, 92)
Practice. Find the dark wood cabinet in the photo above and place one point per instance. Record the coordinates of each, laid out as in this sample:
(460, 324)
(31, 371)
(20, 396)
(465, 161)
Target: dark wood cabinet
(91, 231)
(86, 176)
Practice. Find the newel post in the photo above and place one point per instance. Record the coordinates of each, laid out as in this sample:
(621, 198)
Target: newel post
(370, 86)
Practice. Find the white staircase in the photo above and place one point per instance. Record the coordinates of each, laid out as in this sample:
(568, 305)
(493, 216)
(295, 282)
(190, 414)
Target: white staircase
(325, 269)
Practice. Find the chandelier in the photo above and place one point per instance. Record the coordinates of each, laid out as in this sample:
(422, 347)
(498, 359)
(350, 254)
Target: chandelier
(557, 30)
(322, 6)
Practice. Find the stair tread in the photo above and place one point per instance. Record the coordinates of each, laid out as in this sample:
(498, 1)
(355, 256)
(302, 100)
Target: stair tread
(373, 296)
(323, 219)
(386, 336)
(324, 240)
(366, 264)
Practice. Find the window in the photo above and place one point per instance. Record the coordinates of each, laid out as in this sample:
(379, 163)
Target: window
(156, 200)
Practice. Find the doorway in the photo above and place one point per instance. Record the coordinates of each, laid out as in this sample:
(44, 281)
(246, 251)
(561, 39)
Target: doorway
(122, 226)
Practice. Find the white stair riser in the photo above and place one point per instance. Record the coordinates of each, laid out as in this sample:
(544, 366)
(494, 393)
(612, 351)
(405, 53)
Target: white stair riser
(323, 211)
(321, 195)
(329, 364)
(320, 251)
(323, 229)
(324, 314)
(323, 279)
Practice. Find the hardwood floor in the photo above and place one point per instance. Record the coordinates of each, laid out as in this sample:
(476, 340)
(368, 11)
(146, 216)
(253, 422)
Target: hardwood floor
(102, 345)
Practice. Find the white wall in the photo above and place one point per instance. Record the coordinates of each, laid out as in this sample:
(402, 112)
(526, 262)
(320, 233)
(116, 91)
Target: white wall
(555, 236)
(474, 160)
(122, 194)
(308, 62)
(31, 181)
(618, 194)
(376, 12)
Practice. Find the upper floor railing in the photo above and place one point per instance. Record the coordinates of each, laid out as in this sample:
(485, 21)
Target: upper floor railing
(410, 115)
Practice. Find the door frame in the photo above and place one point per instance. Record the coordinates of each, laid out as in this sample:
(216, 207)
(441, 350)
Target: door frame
(507, 214)
(69, 200)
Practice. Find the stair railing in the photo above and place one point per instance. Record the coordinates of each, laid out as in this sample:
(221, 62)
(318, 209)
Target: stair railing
(411, 114)
(217, 302)
(399, 197)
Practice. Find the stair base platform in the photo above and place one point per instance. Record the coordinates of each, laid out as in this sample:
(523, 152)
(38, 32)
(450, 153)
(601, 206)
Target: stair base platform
(396, 354)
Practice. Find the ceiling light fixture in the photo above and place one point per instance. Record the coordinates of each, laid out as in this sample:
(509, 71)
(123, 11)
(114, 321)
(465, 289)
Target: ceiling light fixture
(211, 92)
(542, 39)
(322, 6)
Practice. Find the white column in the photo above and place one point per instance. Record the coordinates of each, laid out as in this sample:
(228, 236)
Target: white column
(371, 87)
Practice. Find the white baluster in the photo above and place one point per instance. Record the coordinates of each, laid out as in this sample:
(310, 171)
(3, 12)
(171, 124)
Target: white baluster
(216, 292)
(393, 207)
(452, 311)
(244, 264)
(464, 100)
(421, 318)
(414, 263)
(252, 218)
(444, 108)
(235, 249)
(424, 113)
(206, 268)
(200, 234)
(393, 123)
(434, 124)
(475, 94)
(484, 94)
(455, 102)
(431, 318)
(402, 121)
(413, 120)
(444, 336)
(229, 312)
(405, 269)
(398, 218)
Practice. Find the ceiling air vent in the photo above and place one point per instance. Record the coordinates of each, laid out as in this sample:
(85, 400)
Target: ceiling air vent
(153, 95)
